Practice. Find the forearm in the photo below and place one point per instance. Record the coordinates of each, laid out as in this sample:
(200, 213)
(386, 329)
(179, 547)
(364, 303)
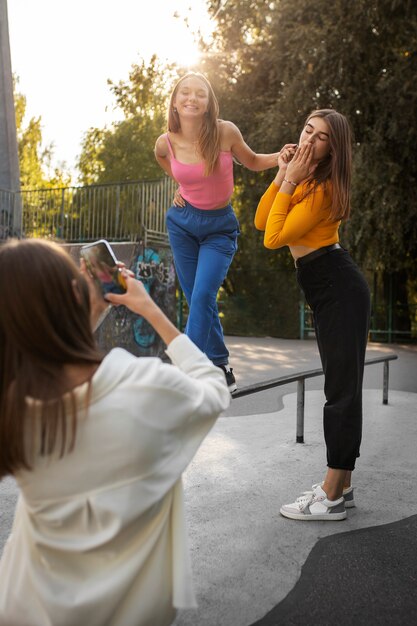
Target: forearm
(292, 217)
(279, 178)
(208, 388)
(276, 221)
(160, 323)
(260, 162)
(138, 300)
(265, 205)
(164, 164)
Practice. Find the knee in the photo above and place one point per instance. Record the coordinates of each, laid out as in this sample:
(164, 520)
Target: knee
(203, 298)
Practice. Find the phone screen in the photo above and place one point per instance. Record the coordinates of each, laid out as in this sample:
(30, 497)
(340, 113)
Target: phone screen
(101, 263)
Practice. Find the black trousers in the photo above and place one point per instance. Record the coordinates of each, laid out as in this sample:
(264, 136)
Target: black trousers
(339, 297)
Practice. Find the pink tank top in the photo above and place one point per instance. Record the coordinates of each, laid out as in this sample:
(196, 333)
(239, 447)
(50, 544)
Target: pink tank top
(204, 192)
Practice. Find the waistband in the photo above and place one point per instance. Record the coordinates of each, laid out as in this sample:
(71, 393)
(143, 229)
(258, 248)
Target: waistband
(208, 212)
(304, 260)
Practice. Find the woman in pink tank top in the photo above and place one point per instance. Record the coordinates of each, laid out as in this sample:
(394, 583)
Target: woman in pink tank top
(197, 152)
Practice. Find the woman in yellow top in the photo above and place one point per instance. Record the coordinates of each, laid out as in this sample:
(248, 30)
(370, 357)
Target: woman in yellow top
(302, 209)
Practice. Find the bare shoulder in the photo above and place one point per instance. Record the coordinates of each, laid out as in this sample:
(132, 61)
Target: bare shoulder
(228, 129)
(161, 146)
(229, 134)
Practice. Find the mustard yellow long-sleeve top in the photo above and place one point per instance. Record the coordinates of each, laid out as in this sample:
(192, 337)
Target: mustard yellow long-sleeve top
(294, 220)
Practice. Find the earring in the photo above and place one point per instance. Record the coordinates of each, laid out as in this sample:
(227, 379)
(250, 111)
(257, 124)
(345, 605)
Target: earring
(175, 110)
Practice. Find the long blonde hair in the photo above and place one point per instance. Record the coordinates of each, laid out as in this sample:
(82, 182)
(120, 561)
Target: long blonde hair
(336, 167)
(209, 138)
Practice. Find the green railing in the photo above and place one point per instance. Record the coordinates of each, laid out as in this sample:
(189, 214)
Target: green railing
(383, 326)
(118, 212)
(132, 211)
(7, 203)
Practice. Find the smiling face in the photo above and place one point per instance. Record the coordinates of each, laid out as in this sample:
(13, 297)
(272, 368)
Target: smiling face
(192, 97)
(317, 132)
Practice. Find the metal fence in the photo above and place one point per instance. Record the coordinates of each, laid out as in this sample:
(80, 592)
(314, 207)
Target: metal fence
(7, 199)
(131, 211)
(383, 323)
(118, 212)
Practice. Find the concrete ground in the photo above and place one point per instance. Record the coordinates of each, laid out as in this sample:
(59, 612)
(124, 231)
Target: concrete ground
(246, 557)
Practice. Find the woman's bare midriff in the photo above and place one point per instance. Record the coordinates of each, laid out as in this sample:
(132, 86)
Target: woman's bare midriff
(299, 251)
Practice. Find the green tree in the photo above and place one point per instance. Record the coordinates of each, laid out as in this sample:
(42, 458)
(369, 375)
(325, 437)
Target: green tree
(124, 151)
(274, 62)
(34, 158)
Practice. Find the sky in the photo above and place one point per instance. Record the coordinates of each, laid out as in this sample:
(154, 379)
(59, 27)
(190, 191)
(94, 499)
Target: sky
(64, 52)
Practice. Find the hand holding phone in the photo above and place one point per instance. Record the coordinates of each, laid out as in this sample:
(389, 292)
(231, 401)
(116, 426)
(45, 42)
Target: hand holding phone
(138, 300)
(101, 263)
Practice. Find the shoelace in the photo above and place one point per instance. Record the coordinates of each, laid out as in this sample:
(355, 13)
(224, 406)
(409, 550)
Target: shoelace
(304, 501)
(304, 496)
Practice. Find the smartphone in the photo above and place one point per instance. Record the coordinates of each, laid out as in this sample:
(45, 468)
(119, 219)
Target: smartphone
(102, 264)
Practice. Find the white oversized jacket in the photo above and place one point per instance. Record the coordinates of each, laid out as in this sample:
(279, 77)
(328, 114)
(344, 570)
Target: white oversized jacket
(99, 536)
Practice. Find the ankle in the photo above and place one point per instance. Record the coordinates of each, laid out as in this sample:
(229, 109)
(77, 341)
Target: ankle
(332, 493)
(348, 480)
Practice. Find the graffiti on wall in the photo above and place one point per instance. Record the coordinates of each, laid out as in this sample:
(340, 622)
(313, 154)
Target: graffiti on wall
(149, 268)
(154, 267)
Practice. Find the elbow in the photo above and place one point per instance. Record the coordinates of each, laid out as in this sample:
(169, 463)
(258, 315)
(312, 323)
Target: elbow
(259, 224)
(218, 398)
(256, 166)
(252, 163)
(270, 243)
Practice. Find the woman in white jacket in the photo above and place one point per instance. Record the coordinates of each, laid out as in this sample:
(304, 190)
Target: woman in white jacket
(97, 447)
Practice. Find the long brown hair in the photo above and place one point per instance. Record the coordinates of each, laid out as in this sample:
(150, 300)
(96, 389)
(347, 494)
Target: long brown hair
(44, 325)
(336, 168)
(209, 138)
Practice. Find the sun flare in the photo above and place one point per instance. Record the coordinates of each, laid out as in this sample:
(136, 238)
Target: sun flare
(179, 43)
(184, 52)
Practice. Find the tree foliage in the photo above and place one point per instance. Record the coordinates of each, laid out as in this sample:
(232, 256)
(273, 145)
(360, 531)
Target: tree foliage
(271, 62)
(274, 62)
(124, 151)
(359, 57)
(34, 157)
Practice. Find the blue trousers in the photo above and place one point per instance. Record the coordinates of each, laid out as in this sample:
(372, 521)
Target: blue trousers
(339, 297)
(203, 244)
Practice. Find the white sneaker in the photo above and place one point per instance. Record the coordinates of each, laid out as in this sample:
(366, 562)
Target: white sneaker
(347, 495)
(315, 506)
